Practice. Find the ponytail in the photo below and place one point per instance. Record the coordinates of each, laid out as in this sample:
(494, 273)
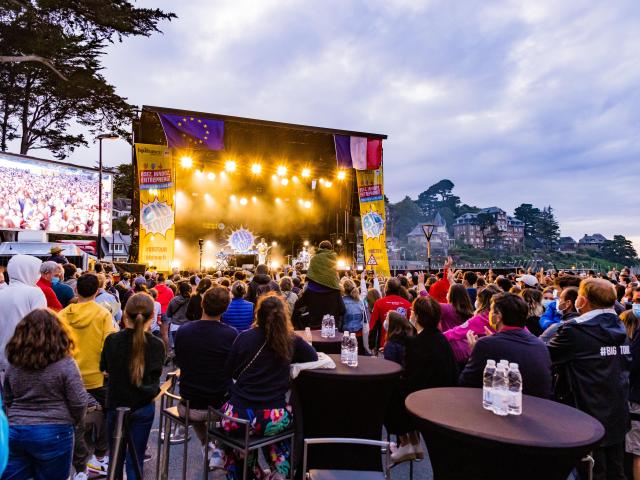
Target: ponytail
(139, 311)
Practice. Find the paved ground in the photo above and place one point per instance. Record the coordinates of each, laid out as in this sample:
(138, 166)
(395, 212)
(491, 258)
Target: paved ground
(421, 471)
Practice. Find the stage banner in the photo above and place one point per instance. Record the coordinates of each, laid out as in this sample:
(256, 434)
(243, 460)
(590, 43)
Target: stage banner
(372, 214)
(156, 177)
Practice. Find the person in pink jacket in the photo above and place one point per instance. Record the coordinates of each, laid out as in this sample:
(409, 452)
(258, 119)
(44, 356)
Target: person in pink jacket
(477, 324)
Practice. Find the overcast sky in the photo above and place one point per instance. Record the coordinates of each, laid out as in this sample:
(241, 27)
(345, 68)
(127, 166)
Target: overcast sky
(514, 101)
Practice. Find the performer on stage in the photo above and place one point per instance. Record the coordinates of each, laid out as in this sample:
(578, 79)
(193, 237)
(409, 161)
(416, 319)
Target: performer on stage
(263, 250)
(304, 258)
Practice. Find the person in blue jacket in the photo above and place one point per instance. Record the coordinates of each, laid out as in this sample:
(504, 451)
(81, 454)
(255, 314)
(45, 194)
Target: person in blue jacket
(551, 314)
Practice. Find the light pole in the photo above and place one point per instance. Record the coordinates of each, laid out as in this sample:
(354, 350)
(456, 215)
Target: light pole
(103, 136)
(427, 229)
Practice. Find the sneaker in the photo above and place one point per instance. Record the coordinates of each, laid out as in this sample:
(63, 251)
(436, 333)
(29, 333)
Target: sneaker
(216, 457)
(403, 453)
(81, 476)
(99, 466)
(177, 436)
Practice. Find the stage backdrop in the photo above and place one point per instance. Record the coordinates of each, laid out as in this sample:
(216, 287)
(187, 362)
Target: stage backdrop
(372, 213)
(156, 177)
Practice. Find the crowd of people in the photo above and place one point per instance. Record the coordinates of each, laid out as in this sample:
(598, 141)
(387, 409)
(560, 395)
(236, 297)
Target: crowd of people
(50, 200)
(74, 347)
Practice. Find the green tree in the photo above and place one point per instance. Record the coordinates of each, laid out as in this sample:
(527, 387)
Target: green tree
(123, 181)
(50, 66)
(620, 250)
(548, 229)
(405, 215)
(530, 215)
(438, 197)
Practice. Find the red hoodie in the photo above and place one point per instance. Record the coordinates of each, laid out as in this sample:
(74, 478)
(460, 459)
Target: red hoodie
(382, 307)
(52, 301)
(438, 291)
(165, 294)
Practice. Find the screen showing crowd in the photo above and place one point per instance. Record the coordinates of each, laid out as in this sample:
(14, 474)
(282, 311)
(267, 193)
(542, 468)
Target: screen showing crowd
(39, 195)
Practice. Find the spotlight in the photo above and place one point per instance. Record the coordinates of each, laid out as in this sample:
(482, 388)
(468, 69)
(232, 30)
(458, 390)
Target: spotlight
(328, 184)
(208, 264)
(342, 175)
(278, 201)
(284, 181)
(341, 263)
(230, 166)
(282, 171)
(207, 197)
(176, 243)
(294, 179)
(243, 201)
(274, 177)
(223, 175)
(275, 265)
(300, 201)
(274, 244)
(254, 199)
(306, 173)
(233, 198)
(209, 244)
(306, 243)
(307, 204)
(198, 173)
(186, 162)
(339, 241)
(321, 181)
(256, 169)
(211, 176)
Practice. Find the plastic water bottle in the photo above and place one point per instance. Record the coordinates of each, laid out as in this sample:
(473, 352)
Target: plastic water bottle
(353, 350)
(307, 335)
(487, 384)
(344, 348)
(332, 326)
(515, 390)
(500, 391)
(324, 332)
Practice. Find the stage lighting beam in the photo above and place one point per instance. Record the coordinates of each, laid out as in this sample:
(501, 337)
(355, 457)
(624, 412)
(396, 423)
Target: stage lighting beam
(281, 171)
(256, 169)
(306, 173)
(230, 166)
(186, 161)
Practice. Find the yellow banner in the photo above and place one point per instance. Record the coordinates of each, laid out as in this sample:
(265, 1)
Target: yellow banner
(372, 214)
(156, 177)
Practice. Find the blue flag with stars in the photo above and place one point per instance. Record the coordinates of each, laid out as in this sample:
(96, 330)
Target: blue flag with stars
(192, 132)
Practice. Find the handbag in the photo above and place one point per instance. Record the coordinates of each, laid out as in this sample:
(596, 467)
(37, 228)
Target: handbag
(234, 378)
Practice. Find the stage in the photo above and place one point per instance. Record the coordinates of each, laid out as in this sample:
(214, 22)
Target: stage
(261, 180)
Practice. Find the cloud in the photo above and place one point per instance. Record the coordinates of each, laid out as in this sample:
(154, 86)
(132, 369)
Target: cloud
(514, 101)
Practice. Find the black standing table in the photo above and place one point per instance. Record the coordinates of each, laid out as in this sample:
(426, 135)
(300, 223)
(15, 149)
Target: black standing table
(466, 441)
(348, 402)
(326, 345)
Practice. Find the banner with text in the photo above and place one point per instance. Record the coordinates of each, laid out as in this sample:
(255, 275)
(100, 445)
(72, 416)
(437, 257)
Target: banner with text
(372, 214)
(156, 178)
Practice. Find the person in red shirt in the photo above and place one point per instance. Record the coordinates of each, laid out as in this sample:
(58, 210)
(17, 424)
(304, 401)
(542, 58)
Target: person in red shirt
(165, 294)
(47, 271)
(440, 289)
(392, 301)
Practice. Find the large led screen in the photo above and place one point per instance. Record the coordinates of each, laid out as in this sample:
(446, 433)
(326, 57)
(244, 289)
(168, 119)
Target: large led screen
(53, 197)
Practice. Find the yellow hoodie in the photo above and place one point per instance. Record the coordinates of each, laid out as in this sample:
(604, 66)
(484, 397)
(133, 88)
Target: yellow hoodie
(89, 324)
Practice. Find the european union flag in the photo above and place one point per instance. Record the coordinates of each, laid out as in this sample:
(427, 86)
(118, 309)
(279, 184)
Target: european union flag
(192, 132)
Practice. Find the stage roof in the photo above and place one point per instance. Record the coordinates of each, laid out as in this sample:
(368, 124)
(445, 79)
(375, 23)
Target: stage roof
(265, 123)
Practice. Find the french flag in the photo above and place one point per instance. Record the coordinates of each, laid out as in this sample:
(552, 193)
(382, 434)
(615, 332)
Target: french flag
(360, 153)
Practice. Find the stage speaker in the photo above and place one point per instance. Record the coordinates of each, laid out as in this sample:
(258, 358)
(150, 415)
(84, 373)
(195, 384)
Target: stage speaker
(242, 259)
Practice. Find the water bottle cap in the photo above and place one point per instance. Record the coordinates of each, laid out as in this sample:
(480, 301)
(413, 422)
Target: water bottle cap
(513, 366)
(353, 334)
(491, 362)
(504, 362)
(346, 333)
(307, 329)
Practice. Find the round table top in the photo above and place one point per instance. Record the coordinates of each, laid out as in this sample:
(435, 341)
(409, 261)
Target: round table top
(317, 338)
(368, 367)
(543, 423)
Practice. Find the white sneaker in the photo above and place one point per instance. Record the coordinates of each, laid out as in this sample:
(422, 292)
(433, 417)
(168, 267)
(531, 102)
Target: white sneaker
(403, 453)
(81, 476)
(216, 457)
(100, 466)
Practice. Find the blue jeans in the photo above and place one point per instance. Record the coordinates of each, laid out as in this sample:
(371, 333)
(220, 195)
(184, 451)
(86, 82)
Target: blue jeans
(140, 422)
(41, 452)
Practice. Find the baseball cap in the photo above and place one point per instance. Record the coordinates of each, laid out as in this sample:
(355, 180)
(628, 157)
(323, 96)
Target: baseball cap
(528, 280)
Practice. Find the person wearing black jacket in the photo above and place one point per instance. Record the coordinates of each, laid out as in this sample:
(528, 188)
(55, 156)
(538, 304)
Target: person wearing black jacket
(590, 356)
(261, 284)
(631, 322)
(565, 306)
(429, 363)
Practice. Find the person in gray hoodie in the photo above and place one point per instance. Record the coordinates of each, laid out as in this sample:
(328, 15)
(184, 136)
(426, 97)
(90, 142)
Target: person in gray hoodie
(19, 298)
